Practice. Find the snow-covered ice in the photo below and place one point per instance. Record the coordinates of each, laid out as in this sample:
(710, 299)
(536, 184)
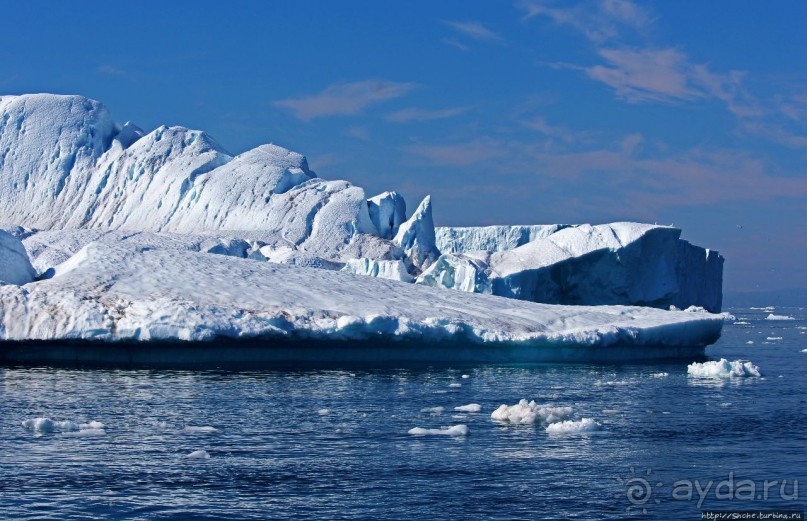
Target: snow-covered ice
(573, 427)
(43, 424)
(528, 413)
(724, 369)
(199, 429)
(198, 454)
(616, 263)
(456, 430)
(15, 267)
(124, 291)
(136, 235)
(779, 317)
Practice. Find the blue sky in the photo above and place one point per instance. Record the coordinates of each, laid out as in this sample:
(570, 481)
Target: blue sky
(684, 113)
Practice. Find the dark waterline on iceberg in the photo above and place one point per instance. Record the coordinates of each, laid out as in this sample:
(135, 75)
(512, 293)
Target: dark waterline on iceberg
(273, 353)
(332, 443)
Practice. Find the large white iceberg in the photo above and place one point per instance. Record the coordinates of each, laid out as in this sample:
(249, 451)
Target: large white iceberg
(132, 235)
(126, 292)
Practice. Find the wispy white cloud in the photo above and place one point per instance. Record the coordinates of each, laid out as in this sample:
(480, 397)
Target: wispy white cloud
(359, 132)
(476, 31)
(646, 74)
(539, 124)
(344, 99)
(776, 133)
(415, 114)
(459, 154)
(109, 70)
(453, 42)
(599, 21)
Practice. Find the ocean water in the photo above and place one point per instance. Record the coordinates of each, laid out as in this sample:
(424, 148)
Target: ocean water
(333, 443)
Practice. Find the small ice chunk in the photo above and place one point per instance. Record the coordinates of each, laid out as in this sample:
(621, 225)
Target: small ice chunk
(742, 323)
(724, 369)
(529, 413)
(466, 376)
(455, 384)
(39, 424)
(433, 410)
(199, 429)
(86, 432)
(774, 338)
(324, 412)
(456, 430)
(660, 375)
(471, 407)
(779, 317)
(198, 454)
(750, 342)
(572, 427)
(804, 350)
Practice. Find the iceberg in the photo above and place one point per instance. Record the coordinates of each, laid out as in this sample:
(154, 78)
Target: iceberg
(618, 263)
(724, 369)
(135, 246)
(123, 292)
(456, 430)
(573, 427)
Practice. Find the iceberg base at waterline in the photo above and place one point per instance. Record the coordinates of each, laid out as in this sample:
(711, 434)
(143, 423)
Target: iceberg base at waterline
(118, 303)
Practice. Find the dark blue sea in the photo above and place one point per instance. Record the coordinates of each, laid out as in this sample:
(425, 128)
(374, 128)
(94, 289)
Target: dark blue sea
(333, 443)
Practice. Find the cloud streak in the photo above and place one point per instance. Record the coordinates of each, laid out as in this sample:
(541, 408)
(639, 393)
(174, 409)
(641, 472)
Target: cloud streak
(415, 114)
(476, 31)
(344, 99)
(599, 21)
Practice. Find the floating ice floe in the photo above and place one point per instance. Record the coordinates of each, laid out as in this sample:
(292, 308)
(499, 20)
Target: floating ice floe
(571, 426)
(528, 413)
(660, 375)
(742, 323)
(456, 430)
(779, 317)
(724, 369)
(774, 338)
(324, 412)
(48, 425)
(471, 407)
(433, 410)
(198, 454)
(804, 350)
(199, 429)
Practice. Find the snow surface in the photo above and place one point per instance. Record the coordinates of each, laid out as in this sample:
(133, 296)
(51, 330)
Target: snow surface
(456, 430)
(124, 291)
(15, 267)
(573, 427)
(724, 369)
